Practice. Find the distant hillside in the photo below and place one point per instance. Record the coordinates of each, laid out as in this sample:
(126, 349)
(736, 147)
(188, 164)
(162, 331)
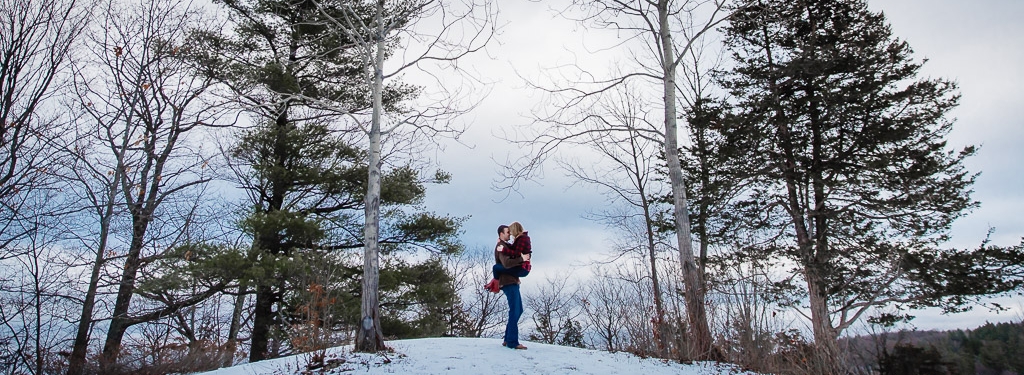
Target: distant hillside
(992, 349)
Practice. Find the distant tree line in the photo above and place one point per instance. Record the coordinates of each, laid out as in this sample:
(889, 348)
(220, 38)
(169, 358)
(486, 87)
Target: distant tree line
(989, 349)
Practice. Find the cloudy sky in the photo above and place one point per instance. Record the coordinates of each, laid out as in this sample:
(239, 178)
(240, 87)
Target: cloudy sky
(979, 44)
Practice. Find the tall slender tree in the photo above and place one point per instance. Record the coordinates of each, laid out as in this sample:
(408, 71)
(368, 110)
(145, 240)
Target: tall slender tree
(141, 101)
(661, 35)
(462, 28)
(37, 45)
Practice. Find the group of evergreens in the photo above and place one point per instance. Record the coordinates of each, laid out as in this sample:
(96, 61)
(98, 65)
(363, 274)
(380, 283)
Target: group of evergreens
(993, 348)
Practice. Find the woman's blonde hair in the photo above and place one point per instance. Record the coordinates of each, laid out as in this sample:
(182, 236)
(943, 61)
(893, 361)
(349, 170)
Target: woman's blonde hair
(516, 229)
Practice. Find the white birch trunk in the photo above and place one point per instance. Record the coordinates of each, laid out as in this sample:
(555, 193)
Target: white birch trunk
(700, 333)
(370, 337)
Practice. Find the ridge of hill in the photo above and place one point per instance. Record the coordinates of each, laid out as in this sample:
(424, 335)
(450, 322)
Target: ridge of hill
(478, 356)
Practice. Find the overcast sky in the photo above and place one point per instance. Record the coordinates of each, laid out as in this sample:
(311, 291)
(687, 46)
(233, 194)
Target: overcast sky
(979, 44)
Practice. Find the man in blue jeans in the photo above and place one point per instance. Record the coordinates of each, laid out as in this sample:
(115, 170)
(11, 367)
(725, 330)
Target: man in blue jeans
(509, 285)
(515, 310)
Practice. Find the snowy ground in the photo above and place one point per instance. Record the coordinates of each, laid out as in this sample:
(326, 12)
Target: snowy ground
(478, 356)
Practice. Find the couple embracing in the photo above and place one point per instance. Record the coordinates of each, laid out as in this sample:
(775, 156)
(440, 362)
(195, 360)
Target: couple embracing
(511, 261)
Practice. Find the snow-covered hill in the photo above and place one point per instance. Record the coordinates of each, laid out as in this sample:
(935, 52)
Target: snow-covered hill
(479, 356)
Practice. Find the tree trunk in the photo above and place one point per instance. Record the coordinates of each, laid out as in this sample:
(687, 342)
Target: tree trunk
(76, 362)
(659, 308)
(120, 320)
(811, 254)
(660, 328)
(269, 243)
(700, 333)
(261, 323)
(371, 337)
(80, 348)
(825, 335)
(826, 342)
(37, 296)
(236, 322)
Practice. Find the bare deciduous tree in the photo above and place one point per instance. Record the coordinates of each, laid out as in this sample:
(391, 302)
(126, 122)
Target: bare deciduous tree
(626, 173)
(552, 308)
(749, 317)
(36, 43)
(602, 305)
(464, 28)
(663, 33)
(481, 311)
(143, 98)
(35, 314)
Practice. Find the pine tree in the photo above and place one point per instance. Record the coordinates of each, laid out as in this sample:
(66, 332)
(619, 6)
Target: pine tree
(572, 334)
(289, 165)
(989, 347)
(319, 185)
(304, 173)
(855, 163)
(912, 360)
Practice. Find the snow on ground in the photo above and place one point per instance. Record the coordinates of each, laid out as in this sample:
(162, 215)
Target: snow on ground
(479, 356)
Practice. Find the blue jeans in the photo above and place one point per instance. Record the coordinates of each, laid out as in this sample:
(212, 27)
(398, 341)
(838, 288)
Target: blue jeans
(515, 310)
(516, 271)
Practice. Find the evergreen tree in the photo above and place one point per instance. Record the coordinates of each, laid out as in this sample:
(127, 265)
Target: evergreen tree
(709, 168)
(991, 347)
(415, 298)
(912, 360)
(319, 186)
(718, 174)
(304, 173)
(572, 334)
(856, 168)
